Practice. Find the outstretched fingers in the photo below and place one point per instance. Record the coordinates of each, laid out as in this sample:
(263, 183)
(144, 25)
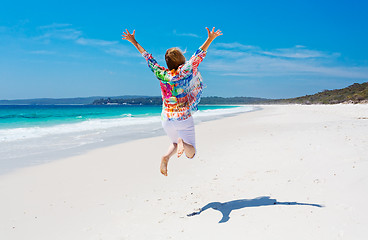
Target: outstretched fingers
(212, 31)
(127, 35)
(213, 34)
(218, 32)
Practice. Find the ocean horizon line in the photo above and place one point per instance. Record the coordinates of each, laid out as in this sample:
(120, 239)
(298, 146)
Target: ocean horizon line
(127, 100)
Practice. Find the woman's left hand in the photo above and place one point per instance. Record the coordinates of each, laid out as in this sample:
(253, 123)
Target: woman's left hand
(212, 34)
(127, 36)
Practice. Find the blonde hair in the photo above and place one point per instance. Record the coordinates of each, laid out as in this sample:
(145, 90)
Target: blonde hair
(174, 58)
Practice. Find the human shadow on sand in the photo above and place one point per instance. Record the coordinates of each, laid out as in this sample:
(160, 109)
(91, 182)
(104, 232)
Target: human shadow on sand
(226, 207)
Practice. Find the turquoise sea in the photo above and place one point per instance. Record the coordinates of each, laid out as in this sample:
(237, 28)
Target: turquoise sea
(34, 134)
(22, 116)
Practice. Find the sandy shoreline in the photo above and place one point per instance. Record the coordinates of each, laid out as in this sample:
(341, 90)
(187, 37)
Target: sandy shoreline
(295, 155)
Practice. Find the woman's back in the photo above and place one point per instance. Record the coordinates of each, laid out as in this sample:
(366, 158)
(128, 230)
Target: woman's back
(181, 88)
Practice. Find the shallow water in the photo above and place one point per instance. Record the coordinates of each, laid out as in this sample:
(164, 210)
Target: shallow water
(32, 135)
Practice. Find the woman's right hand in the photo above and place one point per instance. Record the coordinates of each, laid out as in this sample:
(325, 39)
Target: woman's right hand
(211, 36)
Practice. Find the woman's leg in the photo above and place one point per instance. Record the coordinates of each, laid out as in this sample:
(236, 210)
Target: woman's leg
(185, 147)
(173, 135)
(165, 159)
(186, 138)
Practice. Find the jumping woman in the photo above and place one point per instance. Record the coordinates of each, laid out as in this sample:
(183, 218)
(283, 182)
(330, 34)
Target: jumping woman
(181, 90)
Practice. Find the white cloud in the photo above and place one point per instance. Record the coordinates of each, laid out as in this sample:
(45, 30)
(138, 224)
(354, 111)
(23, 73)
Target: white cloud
(42, 52)
(228, 53)
(235, 45)
(186, 34)
(55, 25)
(63, 34)
(122, 51)
(235, 59)
(109, 72)
(95, 42)
(298, 52)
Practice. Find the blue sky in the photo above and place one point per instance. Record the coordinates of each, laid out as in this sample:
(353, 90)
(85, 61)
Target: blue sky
(272, 49)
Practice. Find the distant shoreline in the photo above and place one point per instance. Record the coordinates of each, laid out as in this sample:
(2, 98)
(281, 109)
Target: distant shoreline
(129, 100)
(355, 93)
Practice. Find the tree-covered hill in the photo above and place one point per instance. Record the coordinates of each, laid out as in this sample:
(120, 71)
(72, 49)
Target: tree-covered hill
(356, 93)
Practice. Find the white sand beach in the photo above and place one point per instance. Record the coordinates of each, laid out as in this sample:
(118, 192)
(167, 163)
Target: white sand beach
(283, 172)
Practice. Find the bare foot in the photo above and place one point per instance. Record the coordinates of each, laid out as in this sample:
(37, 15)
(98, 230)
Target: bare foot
(180, 147)
(163, 167)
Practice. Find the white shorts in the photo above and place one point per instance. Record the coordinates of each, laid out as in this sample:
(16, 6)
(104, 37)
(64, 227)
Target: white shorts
(183, 129)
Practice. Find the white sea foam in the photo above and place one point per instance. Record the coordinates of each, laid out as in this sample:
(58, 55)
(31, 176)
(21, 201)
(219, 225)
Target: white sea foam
(8, 135)
(14, 134)
(224, 111)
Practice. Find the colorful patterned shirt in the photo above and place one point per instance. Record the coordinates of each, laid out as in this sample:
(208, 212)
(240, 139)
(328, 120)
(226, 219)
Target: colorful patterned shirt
(181, 90)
